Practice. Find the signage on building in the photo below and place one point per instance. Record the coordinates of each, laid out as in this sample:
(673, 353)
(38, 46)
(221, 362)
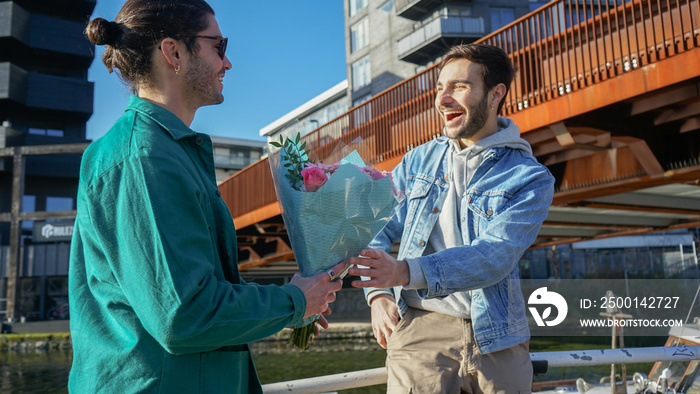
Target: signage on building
(53, 231)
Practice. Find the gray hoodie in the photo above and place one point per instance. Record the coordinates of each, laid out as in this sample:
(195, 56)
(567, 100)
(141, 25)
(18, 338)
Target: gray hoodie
(447, 232)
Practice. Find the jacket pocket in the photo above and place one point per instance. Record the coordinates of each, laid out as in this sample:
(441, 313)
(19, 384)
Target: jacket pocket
(420, 191)
(484, 207)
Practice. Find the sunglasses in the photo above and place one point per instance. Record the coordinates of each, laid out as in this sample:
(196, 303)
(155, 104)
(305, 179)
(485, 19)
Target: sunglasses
(223, 42)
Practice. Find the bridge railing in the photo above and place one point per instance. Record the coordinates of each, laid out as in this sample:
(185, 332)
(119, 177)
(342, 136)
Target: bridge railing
(573, 358)
(564, 46)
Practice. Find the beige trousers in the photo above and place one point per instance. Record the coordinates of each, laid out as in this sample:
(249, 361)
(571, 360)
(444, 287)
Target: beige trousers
(435, 353)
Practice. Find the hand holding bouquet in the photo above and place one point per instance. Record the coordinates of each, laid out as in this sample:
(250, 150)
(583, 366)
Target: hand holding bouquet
(331, 212)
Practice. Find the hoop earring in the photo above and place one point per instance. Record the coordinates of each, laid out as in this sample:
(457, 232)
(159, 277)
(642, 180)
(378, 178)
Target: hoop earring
(177, 72)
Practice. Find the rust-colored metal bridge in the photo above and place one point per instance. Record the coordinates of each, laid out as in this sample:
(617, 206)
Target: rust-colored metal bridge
(607, 93)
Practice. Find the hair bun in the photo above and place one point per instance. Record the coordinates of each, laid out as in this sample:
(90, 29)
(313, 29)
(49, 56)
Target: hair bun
(102, 32)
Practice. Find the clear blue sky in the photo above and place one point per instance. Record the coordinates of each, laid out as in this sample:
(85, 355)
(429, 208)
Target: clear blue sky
(283, 54)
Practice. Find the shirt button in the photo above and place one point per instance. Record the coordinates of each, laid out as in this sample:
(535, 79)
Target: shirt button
(489, 212)
(199, 141)
(435, 210)
(421, 243)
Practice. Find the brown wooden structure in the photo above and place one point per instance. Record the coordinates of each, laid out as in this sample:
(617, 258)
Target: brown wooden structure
(16, 216)
(607, 94)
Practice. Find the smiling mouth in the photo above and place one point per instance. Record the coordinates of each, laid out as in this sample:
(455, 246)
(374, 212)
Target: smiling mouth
(451, 115)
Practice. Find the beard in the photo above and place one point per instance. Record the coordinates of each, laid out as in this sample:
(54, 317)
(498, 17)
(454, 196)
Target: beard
(478, 116)
(200, 83)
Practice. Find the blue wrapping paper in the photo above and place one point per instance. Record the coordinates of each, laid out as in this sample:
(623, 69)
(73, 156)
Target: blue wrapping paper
(339, 219)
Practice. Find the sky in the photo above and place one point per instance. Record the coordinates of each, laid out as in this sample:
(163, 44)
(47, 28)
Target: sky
(283, 53)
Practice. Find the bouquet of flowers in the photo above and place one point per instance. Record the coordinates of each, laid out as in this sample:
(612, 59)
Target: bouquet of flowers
(331, 211)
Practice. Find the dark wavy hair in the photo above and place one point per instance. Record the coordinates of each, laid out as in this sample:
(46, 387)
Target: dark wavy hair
(139, 27)
(496, 65)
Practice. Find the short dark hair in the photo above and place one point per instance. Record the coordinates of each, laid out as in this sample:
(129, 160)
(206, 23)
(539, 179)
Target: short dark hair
(138, 27)
(496, 65)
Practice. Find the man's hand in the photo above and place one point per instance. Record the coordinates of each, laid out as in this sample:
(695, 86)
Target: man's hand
(385, 317)
(318, 290)
(384, 270)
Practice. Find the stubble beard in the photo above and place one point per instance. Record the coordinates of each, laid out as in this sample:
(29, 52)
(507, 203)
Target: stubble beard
(478, 116)
(198, 79)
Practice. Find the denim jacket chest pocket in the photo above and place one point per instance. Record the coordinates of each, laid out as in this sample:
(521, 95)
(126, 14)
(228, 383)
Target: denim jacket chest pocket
(483, 207)
(427, 193)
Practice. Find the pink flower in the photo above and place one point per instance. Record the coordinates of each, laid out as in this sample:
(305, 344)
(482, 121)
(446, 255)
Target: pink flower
(328, 168)
(373, 173)
(376, 174)
(314, 178)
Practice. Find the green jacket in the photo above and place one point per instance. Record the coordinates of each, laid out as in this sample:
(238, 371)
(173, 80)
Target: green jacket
(157, 303)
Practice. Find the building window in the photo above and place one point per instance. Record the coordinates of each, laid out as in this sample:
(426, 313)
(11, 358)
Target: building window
(387, 6)
(359, 35)
(361, 100)
(54, 204)
(49, 132)
(356, 5)
(361, 75)
(456, 11)
(501, 16)
(534, 5)
(28, 205)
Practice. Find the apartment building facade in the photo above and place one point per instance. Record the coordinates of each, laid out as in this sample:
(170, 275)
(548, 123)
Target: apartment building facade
(388, 41)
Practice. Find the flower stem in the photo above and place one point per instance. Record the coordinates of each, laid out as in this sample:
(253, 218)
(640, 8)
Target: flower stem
(301, 336)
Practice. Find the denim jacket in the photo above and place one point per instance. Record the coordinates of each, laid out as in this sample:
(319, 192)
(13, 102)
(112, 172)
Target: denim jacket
(505, 203)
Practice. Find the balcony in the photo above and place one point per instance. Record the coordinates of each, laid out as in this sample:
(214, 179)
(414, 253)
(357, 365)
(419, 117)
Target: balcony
(416, 9)
(28, 35)
(233, 163)
(76, 10)
(434, 37)
(45, 92)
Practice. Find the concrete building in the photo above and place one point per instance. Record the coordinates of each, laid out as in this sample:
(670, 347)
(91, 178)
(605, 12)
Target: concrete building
(310, 115)
(45, 99)
(388, 41)
(233, 154)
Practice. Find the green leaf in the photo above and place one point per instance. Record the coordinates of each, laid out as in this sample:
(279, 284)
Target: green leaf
(275, 144)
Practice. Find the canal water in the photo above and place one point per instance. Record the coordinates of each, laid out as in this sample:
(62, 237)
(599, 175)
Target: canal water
(35, 371)
(38, 371)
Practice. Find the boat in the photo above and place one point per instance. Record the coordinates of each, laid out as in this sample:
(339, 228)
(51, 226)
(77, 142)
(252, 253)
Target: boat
(667, 377)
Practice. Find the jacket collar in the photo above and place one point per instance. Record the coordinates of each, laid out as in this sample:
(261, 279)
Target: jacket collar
(164, 118)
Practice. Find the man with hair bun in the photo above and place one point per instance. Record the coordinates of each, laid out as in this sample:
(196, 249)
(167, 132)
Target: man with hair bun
(449, 309)
(157, 303)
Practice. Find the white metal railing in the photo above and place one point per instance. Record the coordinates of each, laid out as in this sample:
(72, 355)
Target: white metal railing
(375, 376)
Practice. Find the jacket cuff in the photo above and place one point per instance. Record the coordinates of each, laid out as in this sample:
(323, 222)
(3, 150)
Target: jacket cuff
(434, 276)
(299, 301)
(370, 293)
(417, 278)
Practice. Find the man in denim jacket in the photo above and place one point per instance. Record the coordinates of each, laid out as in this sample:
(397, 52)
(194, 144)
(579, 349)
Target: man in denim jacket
(475, 200)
